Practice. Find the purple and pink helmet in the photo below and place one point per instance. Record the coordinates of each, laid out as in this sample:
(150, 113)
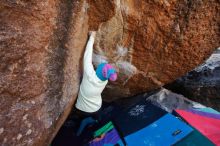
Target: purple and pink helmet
(106, 71)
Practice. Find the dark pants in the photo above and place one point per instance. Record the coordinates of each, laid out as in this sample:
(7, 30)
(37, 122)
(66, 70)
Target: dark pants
(67, 134)
(82, 115)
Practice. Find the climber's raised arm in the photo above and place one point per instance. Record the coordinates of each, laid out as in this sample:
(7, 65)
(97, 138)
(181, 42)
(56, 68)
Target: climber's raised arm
(87, 60)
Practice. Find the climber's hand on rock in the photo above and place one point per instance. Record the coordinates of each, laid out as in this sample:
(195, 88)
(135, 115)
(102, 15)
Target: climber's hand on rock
(92, 34)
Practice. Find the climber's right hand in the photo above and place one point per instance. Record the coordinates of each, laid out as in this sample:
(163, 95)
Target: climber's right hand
(92, 34)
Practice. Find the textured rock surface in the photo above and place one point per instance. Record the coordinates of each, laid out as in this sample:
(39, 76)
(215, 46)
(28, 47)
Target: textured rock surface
(154, 42)
(41, 43)
(170, 101)
(203, 83)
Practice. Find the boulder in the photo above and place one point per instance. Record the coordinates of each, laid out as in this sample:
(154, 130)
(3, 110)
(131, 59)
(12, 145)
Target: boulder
(203, 83)
(170, 101)
(42, 42)
(152, 43)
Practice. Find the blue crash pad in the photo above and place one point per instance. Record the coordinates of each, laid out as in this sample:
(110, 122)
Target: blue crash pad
(165, 131)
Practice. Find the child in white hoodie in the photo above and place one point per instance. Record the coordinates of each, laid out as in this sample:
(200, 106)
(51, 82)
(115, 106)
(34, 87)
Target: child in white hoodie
(93, 83)
(89, 99)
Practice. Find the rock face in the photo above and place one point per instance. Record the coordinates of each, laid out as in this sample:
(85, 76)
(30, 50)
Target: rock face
(41, 44)
(154, 42)
(203, 83)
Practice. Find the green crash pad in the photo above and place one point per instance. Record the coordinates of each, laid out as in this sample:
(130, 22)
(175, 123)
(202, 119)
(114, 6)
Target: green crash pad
(195, 138)
(107, 127)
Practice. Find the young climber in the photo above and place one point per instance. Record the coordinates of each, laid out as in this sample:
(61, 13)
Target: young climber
(89, 99)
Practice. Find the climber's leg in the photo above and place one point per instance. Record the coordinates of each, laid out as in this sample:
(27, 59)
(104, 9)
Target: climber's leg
(85, 122)
(84, 119)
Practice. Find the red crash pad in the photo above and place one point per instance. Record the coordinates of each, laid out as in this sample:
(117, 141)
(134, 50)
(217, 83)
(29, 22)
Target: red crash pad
(209, 127)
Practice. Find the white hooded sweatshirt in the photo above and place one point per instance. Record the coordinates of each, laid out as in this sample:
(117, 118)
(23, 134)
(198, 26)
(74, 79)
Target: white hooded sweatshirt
(89, 97)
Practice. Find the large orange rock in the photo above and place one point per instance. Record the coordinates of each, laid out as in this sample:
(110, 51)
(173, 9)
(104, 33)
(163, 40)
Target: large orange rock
(41, 45)
(153, 42)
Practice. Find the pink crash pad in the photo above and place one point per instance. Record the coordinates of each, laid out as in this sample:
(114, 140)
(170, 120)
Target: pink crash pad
(209, 127)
